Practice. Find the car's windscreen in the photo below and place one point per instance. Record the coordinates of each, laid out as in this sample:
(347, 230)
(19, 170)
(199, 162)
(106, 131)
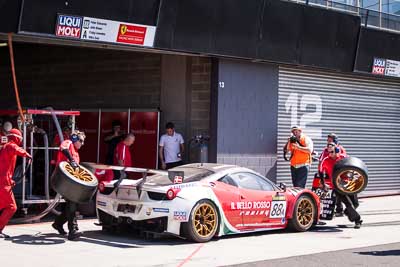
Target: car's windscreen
(190, 175)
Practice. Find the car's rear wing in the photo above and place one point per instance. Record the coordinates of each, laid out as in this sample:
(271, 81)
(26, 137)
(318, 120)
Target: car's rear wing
(144, 171)
(121, 168)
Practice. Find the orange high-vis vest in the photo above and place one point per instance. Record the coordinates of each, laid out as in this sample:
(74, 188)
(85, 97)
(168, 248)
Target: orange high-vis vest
(299, 156)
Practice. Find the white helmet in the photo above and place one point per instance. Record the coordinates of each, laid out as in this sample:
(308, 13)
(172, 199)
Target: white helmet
(7, 126)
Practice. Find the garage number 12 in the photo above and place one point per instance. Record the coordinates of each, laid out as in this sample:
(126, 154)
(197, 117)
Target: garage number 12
(278, 209)
(306, 101)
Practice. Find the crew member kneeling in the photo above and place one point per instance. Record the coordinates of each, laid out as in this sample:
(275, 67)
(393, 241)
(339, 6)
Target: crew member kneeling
(8, 157)
(69, 152)
(326, 171)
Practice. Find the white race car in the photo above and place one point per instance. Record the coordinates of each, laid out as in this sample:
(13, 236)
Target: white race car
(200, 201)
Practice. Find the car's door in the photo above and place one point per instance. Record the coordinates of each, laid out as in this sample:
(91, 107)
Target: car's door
(258, 201)
(227, 193)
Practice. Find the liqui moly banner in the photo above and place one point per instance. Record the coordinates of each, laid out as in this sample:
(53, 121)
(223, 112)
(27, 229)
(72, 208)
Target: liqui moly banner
(69, 26)
(102, 30)
(386, 67)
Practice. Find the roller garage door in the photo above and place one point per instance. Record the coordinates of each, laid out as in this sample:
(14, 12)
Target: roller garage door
(364, 112)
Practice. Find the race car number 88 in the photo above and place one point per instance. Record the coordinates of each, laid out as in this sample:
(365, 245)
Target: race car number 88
(278, 209)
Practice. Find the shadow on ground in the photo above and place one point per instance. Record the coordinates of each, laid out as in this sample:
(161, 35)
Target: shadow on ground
(393, 252)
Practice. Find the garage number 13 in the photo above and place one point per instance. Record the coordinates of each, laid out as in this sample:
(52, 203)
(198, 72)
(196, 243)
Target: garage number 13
(278, 209)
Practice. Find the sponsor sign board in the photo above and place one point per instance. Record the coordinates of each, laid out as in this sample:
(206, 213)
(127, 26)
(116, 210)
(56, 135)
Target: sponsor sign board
(386, 67)
(69, 26)
(110, 31)
(102, 30)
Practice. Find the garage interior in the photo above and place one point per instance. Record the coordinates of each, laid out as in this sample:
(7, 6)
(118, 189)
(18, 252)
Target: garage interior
(115, 85)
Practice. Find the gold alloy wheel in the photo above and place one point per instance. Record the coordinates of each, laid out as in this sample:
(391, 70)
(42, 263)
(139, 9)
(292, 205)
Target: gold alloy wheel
(79, 173)
(349, 181)
(205, 220)
(305, 212)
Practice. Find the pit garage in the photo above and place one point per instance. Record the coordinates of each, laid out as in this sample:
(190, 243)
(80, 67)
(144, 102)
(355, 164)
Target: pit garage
(142, 90)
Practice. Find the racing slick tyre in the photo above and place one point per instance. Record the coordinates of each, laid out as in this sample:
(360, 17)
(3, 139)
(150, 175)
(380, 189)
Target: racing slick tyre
(304, 213)
(77, 185)
(203, 222)
(350, 176)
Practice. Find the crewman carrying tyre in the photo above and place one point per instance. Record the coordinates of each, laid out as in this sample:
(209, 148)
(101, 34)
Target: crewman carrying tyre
(69, 152)
(333, 138)
(326, 172)
(8, 157)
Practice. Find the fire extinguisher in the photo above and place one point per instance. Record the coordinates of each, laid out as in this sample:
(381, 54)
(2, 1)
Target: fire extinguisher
(201, 144)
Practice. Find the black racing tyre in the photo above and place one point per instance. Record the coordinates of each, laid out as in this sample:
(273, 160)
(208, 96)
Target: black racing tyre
(350, 176)
(78, 185)
(304, 213)
(203, 222)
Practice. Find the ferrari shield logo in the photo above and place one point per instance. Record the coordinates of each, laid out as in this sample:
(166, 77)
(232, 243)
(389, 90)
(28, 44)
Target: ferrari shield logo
(123, 29)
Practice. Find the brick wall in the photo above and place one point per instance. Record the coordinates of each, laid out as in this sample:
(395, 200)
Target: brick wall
(70, 77)
(200, 105)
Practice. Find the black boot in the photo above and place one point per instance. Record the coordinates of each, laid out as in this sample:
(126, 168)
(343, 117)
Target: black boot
(358, 224)
(74, 235)
(59, 229)
(3, 235)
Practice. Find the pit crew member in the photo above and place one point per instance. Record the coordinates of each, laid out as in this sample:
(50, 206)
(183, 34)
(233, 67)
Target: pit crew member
(8, 157)
(326, 172)
(69, 152)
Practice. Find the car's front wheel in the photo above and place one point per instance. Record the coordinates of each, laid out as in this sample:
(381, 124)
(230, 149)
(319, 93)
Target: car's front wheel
(203, 222)
(304, 213)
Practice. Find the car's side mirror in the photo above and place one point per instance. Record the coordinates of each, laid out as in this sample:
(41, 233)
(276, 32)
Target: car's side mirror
(282, 186)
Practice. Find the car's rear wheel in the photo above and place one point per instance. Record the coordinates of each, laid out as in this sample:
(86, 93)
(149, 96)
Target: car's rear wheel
(304, 213)
(350, 176)
(77, 185)
(203, 222)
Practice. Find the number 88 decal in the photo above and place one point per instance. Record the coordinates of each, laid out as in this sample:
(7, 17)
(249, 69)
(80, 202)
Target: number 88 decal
(278, 209)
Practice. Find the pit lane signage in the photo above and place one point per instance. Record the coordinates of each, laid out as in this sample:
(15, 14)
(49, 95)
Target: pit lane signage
(102, 30)
(69, 26)
(386, 67)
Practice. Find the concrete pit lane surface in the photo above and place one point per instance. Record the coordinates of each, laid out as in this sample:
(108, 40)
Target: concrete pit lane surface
(39, 245)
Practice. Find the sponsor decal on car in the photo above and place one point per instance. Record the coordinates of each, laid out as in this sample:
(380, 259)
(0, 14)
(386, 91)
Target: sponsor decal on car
(254, 212)
(180, 215)
(283, 220)
(101, 203)
(162, 210)
(278, 197)
(179, 186)
(243, 205)
(178, 179)
(252, 208)
(148, 211)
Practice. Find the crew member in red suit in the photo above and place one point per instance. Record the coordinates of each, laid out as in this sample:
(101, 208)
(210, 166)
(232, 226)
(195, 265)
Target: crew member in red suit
(122, 154)
(326, 172)
(8, 157)
(69, 152)
(104, 175)
(57, 142)
(333, 138)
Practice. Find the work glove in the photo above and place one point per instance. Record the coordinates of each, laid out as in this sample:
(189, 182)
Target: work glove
(74, 165)
(326, 188)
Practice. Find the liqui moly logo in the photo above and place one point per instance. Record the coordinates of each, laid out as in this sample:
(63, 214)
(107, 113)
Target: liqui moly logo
(69, 26)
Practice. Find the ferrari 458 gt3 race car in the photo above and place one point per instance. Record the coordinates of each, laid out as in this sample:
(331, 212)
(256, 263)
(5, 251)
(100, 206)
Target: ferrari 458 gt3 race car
(200, 201)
